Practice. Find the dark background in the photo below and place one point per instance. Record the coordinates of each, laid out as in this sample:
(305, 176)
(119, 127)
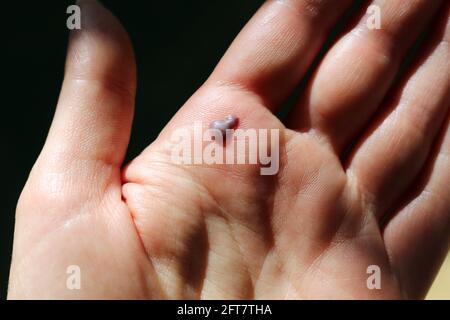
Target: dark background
(177, 44)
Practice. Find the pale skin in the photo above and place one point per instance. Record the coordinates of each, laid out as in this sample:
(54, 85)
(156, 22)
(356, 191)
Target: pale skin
(364, 168)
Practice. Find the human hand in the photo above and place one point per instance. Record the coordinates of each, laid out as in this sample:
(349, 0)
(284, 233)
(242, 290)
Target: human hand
(363, 170)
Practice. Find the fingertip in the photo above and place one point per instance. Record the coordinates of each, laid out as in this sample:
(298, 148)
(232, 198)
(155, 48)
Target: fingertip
(101, 48)
(96, 104)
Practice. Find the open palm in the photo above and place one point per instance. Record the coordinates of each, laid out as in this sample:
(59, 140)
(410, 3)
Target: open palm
(363, 173)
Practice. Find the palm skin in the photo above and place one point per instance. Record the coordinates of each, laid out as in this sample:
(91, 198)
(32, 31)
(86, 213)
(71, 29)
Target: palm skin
(154, 230)
(302, 236)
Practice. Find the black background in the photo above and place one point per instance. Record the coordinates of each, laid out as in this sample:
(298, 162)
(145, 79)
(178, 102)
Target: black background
(177, 44)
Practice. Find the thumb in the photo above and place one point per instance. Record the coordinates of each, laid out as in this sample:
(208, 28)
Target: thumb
(92, 123)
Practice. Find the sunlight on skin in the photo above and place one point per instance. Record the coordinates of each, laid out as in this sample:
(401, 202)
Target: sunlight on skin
(441, 286)
(356, 187)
